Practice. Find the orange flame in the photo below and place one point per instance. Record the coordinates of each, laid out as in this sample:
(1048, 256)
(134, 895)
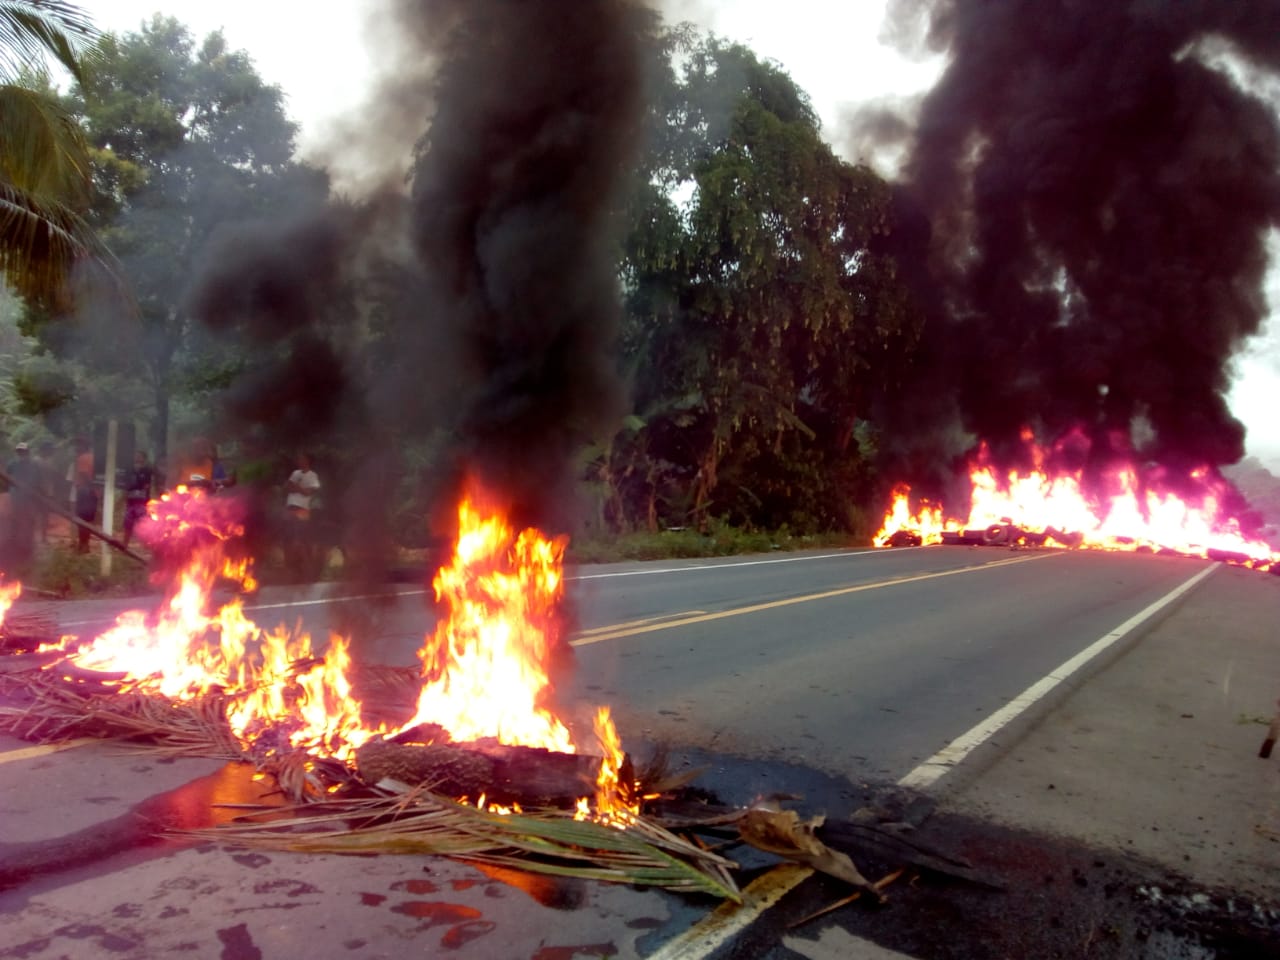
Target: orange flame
(484, 668)
(9, 594)
(613, 800)
(926, 521)
(1061, 509)
(188, 649)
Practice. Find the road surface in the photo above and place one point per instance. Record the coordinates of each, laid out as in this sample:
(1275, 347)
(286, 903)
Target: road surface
(855, 666)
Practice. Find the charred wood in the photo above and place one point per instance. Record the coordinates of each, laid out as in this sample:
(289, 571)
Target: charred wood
(530, 776)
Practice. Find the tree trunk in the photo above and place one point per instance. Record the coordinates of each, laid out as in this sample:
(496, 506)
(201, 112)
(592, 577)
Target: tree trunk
(706, 482)
(160, 431)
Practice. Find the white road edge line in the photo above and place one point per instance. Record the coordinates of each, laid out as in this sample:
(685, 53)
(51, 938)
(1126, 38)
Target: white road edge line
(937, 766)
(730, 919)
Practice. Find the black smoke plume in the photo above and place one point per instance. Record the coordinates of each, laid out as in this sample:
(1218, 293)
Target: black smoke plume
(497, 301)
(514, 194)
(1089, 194)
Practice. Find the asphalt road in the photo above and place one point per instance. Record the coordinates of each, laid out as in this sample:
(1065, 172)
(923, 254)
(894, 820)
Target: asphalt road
(853, 664)
(859, 664)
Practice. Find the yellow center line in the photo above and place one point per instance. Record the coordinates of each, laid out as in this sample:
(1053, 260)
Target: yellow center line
(637, 623)
(628, 630)
(44, 749)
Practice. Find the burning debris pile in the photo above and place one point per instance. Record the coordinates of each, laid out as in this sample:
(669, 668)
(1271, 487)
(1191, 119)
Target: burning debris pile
(20, 633)
(1054, 501)
(1088, 208)
(473, 728)
(466, 756)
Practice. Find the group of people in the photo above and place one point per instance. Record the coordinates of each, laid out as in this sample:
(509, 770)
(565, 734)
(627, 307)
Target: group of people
(32, 484)
(35, 483)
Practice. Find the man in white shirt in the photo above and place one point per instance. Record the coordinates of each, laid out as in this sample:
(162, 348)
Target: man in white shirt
(303, 485)
(300, 553)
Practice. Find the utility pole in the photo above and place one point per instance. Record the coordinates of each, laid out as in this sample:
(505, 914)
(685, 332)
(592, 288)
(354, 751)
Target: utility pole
(109, 494)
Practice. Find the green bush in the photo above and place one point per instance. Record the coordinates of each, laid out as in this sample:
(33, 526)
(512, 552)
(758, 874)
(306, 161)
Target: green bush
(66, 573)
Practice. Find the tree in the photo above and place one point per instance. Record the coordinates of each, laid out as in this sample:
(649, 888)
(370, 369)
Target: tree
(44, 164)
(756, 307)
(187, 138)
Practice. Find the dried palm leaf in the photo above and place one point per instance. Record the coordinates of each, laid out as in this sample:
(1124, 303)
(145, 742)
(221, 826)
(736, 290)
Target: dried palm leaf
(56, 709)
(550, 842)
(783, 833)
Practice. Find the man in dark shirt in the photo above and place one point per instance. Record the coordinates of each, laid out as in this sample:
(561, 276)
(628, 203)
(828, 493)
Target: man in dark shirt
(138, 484)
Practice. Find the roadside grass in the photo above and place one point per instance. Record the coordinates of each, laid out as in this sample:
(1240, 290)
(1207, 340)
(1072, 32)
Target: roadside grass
(720, 541)
(59, 571)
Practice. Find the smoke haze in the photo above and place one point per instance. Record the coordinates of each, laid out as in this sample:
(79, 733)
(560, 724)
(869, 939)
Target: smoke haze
(1087, 199)
(498, 299)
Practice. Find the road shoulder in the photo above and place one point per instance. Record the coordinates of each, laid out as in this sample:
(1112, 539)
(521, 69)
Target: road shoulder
(1157, 756)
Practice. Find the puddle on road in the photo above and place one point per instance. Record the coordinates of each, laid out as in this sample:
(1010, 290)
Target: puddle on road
(208, 801)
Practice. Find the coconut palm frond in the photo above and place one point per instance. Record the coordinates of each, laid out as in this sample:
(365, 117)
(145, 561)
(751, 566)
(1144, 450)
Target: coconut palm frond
(549, 842)
(42, 241)
(411, 820)
(45, 151)
(31, 30)
(48, 709)
(193, 728)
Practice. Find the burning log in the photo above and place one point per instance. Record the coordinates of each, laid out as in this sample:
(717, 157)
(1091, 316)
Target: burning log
(27, 631)
(529, 776)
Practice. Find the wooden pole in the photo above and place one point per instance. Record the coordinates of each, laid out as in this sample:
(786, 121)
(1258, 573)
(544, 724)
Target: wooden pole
(109, 493)
(62, 511)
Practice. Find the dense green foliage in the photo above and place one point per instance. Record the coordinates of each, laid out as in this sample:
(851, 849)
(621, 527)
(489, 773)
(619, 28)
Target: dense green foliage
(185, 137)
(756, 303)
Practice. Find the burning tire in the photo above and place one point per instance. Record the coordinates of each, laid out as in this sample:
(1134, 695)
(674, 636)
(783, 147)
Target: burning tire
(996, 535)
(905, 538)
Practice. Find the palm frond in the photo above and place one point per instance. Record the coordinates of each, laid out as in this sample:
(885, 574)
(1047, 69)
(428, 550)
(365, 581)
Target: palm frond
(45, 152)
(46, 708)
(43, 242)
(48, 705)
(31, 30)
(550, 842)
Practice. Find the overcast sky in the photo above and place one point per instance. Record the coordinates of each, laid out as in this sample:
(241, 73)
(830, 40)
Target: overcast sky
(317, 52)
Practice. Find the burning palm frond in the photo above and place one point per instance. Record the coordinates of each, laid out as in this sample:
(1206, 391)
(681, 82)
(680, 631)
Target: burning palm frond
(51, 708)
(549, 842)
(416, 820)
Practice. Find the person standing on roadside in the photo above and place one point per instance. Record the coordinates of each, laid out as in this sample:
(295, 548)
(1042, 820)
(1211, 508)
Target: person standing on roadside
(137, 493)
(302, 488)
(300, 498)
(84, 498)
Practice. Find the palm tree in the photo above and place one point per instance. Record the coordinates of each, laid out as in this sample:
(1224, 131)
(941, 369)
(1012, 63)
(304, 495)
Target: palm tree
(45, 179)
